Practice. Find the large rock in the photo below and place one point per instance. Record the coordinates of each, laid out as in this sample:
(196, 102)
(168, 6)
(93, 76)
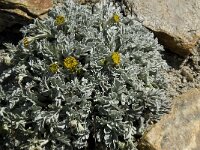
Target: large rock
(178, 130)
(22, 11)
(176, 23)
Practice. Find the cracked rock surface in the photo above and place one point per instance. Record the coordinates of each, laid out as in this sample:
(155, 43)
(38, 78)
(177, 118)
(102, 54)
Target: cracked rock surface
(22, 11)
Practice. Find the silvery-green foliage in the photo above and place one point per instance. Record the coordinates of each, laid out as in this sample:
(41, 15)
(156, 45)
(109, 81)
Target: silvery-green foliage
(108, 103)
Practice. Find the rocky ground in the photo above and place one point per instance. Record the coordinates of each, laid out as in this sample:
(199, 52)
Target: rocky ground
(183, 73)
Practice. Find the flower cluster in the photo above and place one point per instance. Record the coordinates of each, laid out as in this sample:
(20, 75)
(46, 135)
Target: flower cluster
(116, 58)
(70, 63)
(116, 18)
(95, 76)
(59, 20)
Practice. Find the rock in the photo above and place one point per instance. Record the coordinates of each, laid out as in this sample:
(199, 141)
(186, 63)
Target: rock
(21, 12)
(175, 23)
(178, 130)
(187, 73)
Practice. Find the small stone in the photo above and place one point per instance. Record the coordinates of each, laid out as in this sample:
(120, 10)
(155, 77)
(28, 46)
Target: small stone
(186, 71)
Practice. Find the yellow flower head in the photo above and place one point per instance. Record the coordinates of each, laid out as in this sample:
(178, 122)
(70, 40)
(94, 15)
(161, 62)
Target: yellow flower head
(116, 18)
(116, 58)
(53, 68)
(26, 42)
(70, 63)
(59, 20)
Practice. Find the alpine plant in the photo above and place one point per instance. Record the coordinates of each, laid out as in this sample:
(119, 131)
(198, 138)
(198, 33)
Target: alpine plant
(83, 77)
